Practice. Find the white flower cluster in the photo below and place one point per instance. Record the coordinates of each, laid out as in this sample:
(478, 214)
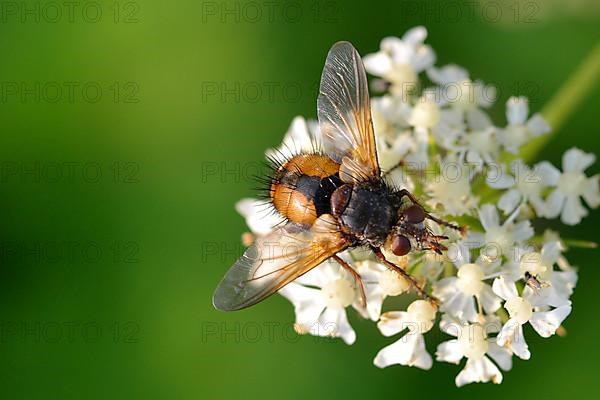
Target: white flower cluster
(491, 282)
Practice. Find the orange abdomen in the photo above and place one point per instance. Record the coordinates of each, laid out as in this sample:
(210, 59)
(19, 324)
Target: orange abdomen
(302, 187)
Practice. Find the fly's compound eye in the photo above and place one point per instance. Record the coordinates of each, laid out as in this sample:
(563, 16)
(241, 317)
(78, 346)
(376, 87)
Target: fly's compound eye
(400, 245)
(414, 214)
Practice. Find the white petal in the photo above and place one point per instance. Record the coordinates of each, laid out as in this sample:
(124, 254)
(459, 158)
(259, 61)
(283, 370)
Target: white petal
(402, 53)
(508, 332)
(377, 64)
(537, 125)
(453, 118)
(408, 350)
(450, 351)
(564, 282)
(478, 370)
(247, 207)
(424, 58)
(551, 250)
(393, 322)
(573, 211)
(370, 272)
(321, 275)
(298, 137)
(415, 36)
(546, 296)
(477, 119)
(375, 297)
(389, 44)
(504, 288)
(519, 345)
(447, 74)
(473, 158)
(476, 239)
(554, 204)
(490, 268)
(511, 270)
(575, 160)
(522, 231)
(502, 356)
(445, 288)
(539, 206)
(509, 201)
(450, 326)
(308, 304)
(459, 254)
(512, 337)
(591, 192)
(462, 306)
(484, 95)
(331, 271)
(517, 109)
(498, 177)
(548, 172)
(488, 215)
(547, 322)
(490, 302)
(336, 319)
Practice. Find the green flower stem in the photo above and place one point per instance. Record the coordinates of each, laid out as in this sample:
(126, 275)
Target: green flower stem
(582, 244)
(566, 100)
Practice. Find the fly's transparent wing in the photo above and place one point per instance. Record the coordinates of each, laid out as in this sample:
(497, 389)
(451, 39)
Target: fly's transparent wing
(344, 112)
(276, 260)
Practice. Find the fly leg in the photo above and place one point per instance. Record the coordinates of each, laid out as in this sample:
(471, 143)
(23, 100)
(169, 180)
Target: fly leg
(406, 276)
(357, 278)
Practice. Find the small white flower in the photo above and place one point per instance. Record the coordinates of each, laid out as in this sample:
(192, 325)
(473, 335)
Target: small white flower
(458, 293)
(449, 129)
(400, 60)
(320, 298)
(524, 184)
(557, 286)
(418, 157)
(521, 311)
(459, 92)
(451, 190)
(499, 240)
(571, 185)
(473, 343)
(379, 282)
(520, 130)
(395, 140)
(389, 155)
(409, 349)
(425, 113)
(390, 116)
(479, 147)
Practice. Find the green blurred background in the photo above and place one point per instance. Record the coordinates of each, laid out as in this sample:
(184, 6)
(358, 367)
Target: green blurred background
(107, 270)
